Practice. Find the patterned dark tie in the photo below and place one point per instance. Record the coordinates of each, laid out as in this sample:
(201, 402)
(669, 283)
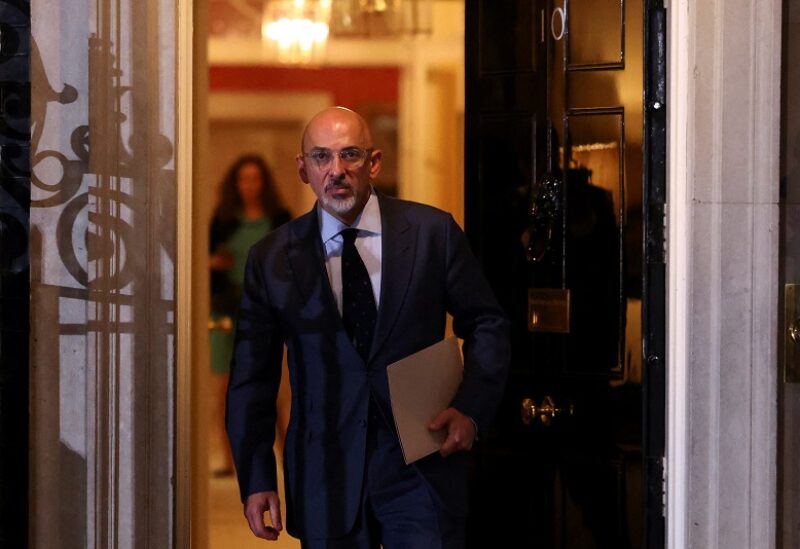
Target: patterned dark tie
(358, 302)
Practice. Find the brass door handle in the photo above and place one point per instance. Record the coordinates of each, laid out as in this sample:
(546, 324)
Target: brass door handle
(794, 330)
(545, 411)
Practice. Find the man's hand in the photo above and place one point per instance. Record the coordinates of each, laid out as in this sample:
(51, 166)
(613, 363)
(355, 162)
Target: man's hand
(254, 508)
(460, 431)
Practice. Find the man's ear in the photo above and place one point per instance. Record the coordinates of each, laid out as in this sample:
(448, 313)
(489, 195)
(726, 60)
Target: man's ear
(375, 163)
(300, 160)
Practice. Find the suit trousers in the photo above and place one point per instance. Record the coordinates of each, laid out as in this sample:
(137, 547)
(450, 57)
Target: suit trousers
(398, 509)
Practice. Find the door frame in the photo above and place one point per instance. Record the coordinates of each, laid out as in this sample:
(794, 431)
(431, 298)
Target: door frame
(185, 324)
(188, 88)
(681, 38)
(678, 227)
(654, 294)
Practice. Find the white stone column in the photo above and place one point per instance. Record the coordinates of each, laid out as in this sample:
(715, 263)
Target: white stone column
(724, 80)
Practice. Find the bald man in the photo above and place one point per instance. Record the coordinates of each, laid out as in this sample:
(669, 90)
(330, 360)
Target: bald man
(359, 282)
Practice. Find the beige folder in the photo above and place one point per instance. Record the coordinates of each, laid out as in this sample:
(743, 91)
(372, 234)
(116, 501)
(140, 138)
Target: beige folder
(421, 386)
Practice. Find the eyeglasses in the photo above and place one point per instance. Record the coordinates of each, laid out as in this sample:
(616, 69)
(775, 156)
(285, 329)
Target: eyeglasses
(350, 157)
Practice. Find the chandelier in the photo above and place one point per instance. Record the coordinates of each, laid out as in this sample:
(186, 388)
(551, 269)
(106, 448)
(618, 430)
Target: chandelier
(380, 18)
(296, 29)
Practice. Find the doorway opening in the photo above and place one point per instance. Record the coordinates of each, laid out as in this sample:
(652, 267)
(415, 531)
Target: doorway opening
(555, 166)
(410, 90)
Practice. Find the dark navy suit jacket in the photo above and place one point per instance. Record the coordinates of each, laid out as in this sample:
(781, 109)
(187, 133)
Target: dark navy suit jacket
(427, 271)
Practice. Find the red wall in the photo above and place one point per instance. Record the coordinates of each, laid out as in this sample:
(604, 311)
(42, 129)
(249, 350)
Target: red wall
(351, 87)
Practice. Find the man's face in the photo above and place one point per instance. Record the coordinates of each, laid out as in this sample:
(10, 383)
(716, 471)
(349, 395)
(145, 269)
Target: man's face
(338, 162)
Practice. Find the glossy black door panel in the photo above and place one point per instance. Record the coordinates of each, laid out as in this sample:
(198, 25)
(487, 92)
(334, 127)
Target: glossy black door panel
(556, 201)
(504, 36)
(596, 34)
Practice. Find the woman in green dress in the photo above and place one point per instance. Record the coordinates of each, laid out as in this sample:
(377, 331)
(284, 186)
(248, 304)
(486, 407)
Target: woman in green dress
(248, 209)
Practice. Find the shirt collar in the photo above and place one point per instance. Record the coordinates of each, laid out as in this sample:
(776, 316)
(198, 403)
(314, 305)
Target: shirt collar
(369, 220)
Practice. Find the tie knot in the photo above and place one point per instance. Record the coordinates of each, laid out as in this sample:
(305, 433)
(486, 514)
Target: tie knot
(349, 236)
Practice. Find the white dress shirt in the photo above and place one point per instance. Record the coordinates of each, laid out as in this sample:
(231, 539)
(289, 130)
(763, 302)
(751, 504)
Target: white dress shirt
(368, 243)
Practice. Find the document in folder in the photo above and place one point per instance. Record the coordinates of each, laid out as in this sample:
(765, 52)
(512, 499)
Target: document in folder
(420, 387)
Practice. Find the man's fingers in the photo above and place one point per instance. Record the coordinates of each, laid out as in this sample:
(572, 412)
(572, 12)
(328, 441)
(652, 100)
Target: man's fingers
(257, 504)
(275, 513)
(441, 420)
(454, 442)
(272, 533)
(460, 431)
(260, 529)
(448, 447)
(256, 521)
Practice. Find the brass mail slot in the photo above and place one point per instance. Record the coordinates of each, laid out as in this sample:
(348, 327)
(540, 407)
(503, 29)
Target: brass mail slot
(548, 310)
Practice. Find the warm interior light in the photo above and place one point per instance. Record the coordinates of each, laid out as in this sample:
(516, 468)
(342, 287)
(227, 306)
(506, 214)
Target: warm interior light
(286, 31)
(298, 28)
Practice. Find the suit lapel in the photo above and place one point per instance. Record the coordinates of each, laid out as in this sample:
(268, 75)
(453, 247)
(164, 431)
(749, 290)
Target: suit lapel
(398, 244)
(307, 260)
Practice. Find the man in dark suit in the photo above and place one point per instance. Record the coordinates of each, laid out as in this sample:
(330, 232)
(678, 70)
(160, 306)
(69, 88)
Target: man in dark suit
(359, 282)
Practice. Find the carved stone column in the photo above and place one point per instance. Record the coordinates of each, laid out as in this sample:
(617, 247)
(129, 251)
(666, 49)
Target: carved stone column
(103, 299)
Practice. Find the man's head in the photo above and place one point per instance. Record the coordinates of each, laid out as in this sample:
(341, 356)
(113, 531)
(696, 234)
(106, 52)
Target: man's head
(338, 161)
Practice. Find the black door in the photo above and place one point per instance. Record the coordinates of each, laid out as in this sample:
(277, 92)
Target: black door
(557, 208)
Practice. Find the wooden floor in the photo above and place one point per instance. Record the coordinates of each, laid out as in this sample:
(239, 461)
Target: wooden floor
(227, 526)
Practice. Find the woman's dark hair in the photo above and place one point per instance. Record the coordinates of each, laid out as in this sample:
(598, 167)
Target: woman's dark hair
(230, 202)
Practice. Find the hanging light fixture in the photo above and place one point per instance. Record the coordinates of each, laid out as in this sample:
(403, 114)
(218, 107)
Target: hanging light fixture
(296, 29)
(380, 18)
